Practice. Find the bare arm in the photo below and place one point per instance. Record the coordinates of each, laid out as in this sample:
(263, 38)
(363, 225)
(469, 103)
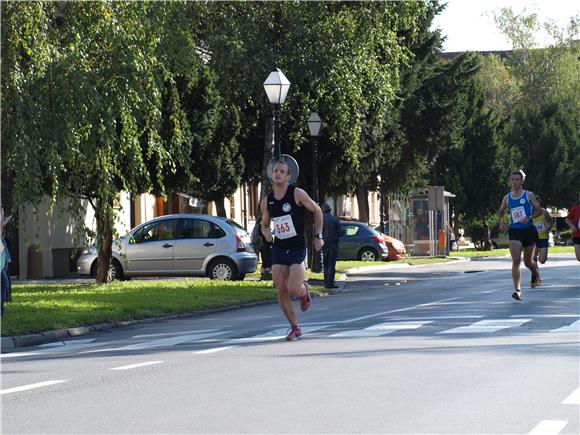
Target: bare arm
(265, 220)
(500, 213)
(537, 207)
(548, 218)
(302, 198)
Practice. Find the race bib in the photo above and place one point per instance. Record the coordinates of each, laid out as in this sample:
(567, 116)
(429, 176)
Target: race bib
(284, 227)
(539, 226)
(518, 214)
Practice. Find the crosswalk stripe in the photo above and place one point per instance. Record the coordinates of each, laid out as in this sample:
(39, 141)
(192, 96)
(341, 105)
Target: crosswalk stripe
(549, 427)
(573, 327)
(276, 334)
(573, 399)
(381, 329)
(484, 326)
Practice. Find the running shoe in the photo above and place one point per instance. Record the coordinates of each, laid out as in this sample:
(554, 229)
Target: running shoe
(293, 333)
(536, 281)
(306, 299)
(517, 295)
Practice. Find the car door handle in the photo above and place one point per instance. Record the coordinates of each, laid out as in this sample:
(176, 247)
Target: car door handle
(208, 244)
(167, 245)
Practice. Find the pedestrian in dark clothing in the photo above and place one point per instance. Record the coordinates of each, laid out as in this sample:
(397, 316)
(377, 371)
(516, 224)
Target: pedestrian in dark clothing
(331, 232)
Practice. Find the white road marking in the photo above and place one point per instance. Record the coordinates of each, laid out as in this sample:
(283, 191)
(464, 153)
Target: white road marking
(549, 427)
(380, 329)
(573, 327)
(414, 307)
(276, 334)
(175, 333)
(573, 399)
(15, 354)
(134, 366)
(29, 387)
(163, 342)
(214, 350)
(484, 326)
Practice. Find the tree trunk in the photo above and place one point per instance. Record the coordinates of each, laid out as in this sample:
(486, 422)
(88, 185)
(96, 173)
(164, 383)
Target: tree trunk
(362, 198)
(486, 236)
(220, 207)
(104, 217)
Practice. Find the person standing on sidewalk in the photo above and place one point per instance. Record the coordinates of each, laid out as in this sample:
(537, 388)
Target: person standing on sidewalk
(286, 206)
(543, 224)
(573, 221)
(331, 231)
(523, 207)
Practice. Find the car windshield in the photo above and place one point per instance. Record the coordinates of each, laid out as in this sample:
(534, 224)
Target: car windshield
(237, 228)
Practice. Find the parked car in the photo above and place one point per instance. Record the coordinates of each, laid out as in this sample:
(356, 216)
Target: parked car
(179, 245)
(396, 248)
(360, 242)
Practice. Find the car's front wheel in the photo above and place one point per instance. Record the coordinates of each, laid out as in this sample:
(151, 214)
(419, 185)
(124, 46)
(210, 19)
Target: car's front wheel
(224, 269)
(368, 254)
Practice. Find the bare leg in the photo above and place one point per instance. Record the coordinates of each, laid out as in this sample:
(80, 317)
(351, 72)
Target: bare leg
(516, 253)
(529, 260)
(280, 275)
(542, 255)
(577, 250)
(296, 285)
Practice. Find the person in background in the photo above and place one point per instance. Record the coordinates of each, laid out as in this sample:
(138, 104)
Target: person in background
(543, 224)
(331, 231)
(573, 221)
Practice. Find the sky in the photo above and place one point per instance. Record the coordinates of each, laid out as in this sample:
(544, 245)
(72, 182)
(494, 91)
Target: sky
(468, 24)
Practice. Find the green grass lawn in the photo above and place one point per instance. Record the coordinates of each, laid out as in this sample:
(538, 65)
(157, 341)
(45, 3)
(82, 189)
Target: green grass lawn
(42, 307)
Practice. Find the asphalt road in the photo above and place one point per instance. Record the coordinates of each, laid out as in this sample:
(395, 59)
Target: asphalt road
(426, 349)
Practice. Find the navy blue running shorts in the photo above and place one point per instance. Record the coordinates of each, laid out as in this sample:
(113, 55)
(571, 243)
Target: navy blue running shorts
(542, 243)
(287, 257)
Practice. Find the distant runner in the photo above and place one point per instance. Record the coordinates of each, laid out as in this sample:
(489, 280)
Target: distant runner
(285, 205)
(543, 224)
(573, 221)
(522, 206)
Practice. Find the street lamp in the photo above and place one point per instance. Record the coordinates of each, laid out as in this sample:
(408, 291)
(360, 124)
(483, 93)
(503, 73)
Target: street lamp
(276, 87)
(314, 123)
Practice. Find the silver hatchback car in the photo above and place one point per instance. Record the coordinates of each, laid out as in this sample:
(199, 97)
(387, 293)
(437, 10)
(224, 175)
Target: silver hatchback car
(179, 245)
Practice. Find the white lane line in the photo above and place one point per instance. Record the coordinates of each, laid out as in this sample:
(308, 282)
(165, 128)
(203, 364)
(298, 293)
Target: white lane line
(573, 399)
(484, 326)
(380, 329)
(276, 334)
(175, 333)
(214, 350)
(163, 342)
(15, 354)
(573, 327)
(414, 307)
(135, 366)
(549, 427)
(29, 387)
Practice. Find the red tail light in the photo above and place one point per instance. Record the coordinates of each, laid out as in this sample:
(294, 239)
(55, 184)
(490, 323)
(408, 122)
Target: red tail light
(240, 245)
(379, 240)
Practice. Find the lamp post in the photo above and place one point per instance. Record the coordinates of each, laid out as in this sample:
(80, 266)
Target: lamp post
(276, 87)
(314, 123)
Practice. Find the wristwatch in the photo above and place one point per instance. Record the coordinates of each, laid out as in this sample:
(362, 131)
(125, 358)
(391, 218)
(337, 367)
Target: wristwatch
(318, 236)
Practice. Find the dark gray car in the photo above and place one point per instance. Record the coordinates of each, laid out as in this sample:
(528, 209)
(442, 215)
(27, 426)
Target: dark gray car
(179, 245)
(360, 242)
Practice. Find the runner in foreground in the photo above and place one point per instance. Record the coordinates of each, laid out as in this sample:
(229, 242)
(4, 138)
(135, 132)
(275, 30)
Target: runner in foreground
(523, 207)
(285, 205)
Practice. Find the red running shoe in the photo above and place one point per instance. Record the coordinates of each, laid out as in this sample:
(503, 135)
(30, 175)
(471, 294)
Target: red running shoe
(293, 333)
(306, 299)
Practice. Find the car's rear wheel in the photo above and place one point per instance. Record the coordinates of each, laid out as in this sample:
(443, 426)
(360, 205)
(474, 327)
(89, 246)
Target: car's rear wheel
(224, 269)
(368, 254)
(115, 270)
